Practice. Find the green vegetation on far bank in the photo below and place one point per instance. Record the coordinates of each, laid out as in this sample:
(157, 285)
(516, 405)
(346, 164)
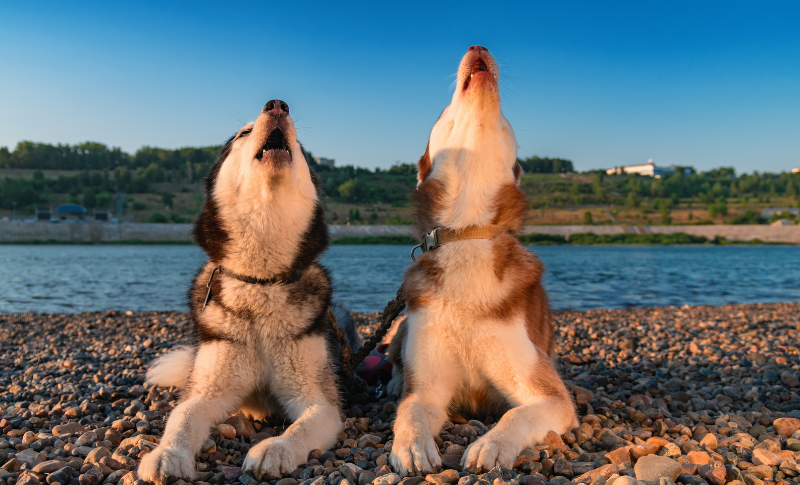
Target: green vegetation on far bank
(581, 239)
(590, 239)
(542, 239)
(163, 185)
(649, 239)
(127, 242)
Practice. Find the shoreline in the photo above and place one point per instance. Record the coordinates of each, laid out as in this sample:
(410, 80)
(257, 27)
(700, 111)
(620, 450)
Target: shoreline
(700, 395)
(366, 317)
(535, 239)
(97, 232)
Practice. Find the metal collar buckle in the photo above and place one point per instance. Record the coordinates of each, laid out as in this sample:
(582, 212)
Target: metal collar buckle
(429, 243)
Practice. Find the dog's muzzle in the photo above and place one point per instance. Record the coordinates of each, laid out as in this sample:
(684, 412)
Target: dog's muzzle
(276, 147)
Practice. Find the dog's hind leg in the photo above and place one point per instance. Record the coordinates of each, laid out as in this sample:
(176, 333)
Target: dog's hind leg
(305, 385)
(219, 381)
(395, 386)
(542, 405)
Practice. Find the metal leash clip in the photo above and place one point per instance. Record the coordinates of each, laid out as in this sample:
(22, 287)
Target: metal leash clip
(429, 243)
(208, 295)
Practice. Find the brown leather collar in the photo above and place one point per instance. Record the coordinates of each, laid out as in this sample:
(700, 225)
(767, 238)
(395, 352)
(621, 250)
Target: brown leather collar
(442, 235)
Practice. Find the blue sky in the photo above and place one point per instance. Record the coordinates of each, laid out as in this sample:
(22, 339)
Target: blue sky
(706, 84)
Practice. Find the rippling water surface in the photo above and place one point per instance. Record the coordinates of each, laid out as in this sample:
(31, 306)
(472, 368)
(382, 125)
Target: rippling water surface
(140, 278)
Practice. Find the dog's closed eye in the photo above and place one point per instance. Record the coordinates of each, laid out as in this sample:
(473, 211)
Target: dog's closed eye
(245, 132)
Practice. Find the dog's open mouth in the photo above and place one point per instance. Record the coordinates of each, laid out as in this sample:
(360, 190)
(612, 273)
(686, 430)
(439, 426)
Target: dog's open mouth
(276, 147)
(479, 66)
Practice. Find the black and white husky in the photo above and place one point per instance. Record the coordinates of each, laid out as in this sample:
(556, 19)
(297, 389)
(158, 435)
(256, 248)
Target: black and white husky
(261, 309)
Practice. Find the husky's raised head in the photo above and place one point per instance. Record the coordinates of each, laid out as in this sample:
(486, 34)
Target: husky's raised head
(262, 199)
(261, 307)
(478, 336)
(468, 175)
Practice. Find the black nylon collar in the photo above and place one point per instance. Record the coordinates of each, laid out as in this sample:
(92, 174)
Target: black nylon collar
(292, 278)
(284, 280)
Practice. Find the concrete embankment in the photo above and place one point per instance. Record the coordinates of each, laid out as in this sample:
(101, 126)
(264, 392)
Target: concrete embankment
(94, 232)
(20, 232)
(773, 234)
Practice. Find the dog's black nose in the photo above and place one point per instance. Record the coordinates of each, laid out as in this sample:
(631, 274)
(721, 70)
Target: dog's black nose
(276, 107)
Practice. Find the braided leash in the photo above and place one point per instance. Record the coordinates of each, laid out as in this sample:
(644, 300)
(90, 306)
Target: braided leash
(392, 310)
(360, 390)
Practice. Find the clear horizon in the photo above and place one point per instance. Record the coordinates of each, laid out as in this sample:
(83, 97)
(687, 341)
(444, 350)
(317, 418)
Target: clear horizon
(708, 85)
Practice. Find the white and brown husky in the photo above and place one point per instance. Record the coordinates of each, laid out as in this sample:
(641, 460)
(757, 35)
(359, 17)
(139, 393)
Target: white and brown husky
(261, 309)
(478, 336)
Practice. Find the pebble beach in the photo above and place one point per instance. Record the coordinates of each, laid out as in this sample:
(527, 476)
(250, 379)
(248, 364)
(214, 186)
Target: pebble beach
(691, 395)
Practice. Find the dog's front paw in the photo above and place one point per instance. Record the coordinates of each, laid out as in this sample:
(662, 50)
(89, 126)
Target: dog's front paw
(162, 463)
(273, 457)
(415, 456)
(488, 452)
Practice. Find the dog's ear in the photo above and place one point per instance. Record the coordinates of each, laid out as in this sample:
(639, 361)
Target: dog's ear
(424, 166)
(517, 171)
(208, 231)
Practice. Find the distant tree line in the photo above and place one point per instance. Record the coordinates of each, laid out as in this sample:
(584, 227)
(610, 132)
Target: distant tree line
(711, 189)
(92, 190)
(710, 186)
(134, 172)
(190, 162)
(361, 185)
(536, 164)
(393, 185)
(105, 171)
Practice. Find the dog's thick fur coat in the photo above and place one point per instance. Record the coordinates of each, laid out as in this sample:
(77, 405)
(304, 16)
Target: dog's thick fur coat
(478, 337)
(261, 348)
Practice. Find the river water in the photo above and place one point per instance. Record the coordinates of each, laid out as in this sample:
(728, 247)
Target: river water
(67, 279)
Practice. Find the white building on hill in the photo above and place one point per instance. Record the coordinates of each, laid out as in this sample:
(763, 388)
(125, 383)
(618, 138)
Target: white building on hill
(649, 169)
(330, 162)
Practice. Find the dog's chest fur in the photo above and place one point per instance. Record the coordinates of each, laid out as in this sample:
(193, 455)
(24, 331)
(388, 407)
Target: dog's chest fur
(274, 325)
(247, 312)
(456, 295)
